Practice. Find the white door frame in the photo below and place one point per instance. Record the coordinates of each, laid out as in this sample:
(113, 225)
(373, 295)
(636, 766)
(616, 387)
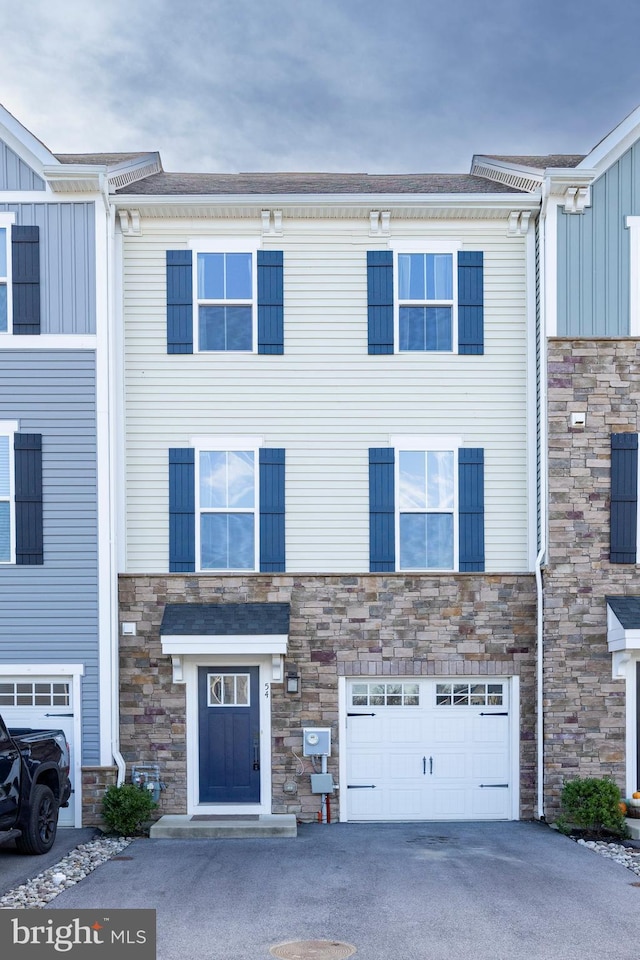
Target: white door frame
(66, 671)
(514, 730)
(191, 662)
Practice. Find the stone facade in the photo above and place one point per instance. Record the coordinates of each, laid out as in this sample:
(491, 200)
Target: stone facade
(369, 625)
(95, 783)
(584, 706)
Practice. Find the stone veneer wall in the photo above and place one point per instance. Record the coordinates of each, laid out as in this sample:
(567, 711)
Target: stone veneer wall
(584, 706)
(369, 625)
(95, 782)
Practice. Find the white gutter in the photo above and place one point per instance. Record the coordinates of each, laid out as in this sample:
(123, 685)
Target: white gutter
(543, 467)
(114, 631)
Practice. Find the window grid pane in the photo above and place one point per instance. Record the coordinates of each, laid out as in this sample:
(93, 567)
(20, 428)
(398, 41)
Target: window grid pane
(469, 694)
(35, 694)
(426, 502)
(228, 690)
(385, 695)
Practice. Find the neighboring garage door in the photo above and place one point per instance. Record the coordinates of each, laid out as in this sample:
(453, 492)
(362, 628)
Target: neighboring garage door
(421, 749)
(43, 703)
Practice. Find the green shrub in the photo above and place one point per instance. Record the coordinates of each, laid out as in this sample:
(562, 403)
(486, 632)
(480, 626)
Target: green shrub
(592, 804)
(125, 808)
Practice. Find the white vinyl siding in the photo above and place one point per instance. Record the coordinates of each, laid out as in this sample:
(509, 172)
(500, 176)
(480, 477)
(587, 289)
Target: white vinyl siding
(326, 400)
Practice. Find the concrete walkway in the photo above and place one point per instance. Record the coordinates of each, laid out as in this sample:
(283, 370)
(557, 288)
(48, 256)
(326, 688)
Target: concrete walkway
(423, 891)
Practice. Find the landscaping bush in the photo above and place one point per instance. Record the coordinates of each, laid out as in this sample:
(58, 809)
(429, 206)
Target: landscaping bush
(126, 807)
(592, 805)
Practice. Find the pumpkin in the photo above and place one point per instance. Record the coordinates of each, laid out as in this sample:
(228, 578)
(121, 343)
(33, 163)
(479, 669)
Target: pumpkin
(636, 795)
(623, 807)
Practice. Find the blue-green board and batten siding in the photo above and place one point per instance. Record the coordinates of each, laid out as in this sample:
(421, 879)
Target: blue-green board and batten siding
(49, 612)
(67, 263)
(593, 255)
(15, 174)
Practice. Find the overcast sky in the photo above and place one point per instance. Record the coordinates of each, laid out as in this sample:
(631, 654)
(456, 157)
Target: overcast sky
(350, 85)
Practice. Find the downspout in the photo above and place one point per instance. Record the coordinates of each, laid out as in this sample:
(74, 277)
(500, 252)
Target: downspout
(113, 593)
(543, 467)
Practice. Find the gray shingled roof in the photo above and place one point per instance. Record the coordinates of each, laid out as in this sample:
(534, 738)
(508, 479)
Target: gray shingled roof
(103, 159)
(540, 163)
(627, 610)
(212, 184)
(225, 619)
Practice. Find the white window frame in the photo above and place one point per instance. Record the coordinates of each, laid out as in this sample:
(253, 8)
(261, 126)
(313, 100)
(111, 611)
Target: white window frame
(225, 245)
(425, 247)
(633, 225)
(9, 428)
(7, 221)
(228, 444)
(427, 445)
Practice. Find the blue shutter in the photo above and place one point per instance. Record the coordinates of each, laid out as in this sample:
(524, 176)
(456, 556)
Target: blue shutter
(272, 541)
(182, 510)
(179, 301)
(470, 302)
(380, 300)
(471, 509)
(624, 497)
(25, 276)
(382, 526)
(28, 498)
(270, 302)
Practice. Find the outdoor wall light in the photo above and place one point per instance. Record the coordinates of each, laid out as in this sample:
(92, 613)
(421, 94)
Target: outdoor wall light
(293, 683)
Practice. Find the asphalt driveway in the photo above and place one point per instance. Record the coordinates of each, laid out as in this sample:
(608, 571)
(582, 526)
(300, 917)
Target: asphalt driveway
(422, 891)
(16, 869)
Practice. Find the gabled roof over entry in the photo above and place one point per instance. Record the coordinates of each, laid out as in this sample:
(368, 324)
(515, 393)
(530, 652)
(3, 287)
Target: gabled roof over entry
(627, 610)
(225, 619)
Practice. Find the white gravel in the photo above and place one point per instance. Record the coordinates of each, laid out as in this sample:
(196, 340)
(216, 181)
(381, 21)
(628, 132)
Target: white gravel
(39, 891)
(629, 857)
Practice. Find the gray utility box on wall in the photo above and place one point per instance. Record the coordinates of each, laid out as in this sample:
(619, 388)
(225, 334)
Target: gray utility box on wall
(322, 783)
(316, 742)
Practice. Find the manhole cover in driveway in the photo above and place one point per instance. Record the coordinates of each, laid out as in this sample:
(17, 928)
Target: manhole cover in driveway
(312, 950)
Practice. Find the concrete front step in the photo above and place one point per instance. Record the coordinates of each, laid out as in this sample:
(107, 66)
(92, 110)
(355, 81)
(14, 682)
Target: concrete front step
(183, 827)
(634, 827)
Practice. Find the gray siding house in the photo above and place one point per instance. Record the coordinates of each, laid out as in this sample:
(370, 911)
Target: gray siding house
(57, 576)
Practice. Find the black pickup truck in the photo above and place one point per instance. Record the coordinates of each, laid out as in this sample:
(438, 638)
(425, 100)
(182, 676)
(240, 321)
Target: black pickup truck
(34, 784)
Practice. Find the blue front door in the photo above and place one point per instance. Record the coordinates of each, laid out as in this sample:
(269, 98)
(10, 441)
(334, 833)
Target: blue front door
(229, 734)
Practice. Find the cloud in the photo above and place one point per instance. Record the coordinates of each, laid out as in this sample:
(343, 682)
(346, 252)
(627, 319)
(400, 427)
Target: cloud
(335, 85)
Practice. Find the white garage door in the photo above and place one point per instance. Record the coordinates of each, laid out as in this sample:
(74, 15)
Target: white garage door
(44, 703)
(421, 749)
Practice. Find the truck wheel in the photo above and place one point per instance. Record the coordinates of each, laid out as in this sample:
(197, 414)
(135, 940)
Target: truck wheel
(39, 833)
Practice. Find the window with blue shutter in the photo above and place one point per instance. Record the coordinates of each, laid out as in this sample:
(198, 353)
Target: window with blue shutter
(380, 300)
(624, 497)
(223, 316)
(272, 510)
(270, 302)
(226, 510)
(414, 312)
(381, 510)
(182, 517)
(471, 509)
(19, 279)
(412, 503)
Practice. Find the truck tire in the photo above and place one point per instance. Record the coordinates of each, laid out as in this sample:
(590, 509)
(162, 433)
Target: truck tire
(39, 832)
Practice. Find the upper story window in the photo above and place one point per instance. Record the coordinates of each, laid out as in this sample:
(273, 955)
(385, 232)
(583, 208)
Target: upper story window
(425, 298)
(426, 509)
(227, 507)
(225, 298)
(425, 302)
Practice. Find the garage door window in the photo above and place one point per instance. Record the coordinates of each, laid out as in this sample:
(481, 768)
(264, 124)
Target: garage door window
(469, 694)
(385, 695)
(35, 694)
